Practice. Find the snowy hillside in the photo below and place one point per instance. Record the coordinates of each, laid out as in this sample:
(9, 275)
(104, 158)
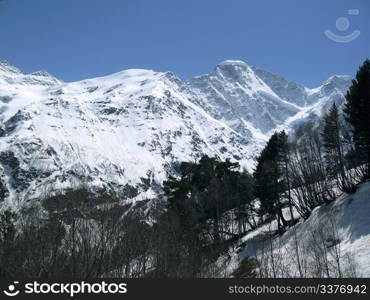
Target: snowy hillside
(339, 231)
(236, 95)
(258, 102)
(126, 132)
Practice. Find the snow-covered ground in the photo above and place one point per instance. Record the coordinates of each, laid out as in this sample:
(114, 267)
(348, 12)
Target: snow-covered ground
(337, 231)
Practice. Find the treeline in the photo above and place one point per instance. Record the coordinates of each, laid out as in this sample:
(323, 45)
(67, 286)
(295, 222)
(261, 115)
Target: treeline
(203, 211)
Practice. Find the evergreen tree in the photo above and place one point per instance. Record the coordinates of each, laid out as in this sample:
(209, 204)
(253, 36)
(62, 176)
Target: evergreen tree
(198, 206)
(206, 190)
(283, 160)
(357, 112)
(269, 178)
(333, 152)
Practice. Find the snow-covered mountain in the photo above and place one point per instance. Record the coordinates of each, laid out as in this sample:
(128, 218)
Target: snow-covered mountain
(235, 94)
(257, 102)
(126, 132)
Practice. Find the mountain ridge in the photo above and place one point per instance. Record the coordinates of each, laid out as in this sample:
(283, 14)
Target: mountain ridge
(126, 132)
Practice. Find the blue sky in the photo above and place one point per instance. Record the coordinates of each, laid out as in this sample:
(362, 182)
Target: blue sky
(77, 39)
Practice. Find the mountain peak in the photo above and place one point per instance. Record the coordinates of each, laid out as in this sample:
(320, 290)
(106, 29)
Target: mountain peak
(7, 67)
(231, 66)
(337, 79)
(42, 73)
(231, 62)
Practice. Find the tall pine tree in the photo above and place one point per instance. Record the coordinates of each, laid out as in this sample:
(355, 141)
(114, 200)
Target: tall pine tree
(283, 159)
(269, 178)
(357, 112)
(333, 146)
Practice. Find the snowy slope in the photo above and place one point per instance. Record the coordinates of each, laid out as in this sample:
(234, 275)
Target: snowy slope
(251, 100)
(346, 221)
(126, 132)
(236, 95)
(319, 100)
(123, 132)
